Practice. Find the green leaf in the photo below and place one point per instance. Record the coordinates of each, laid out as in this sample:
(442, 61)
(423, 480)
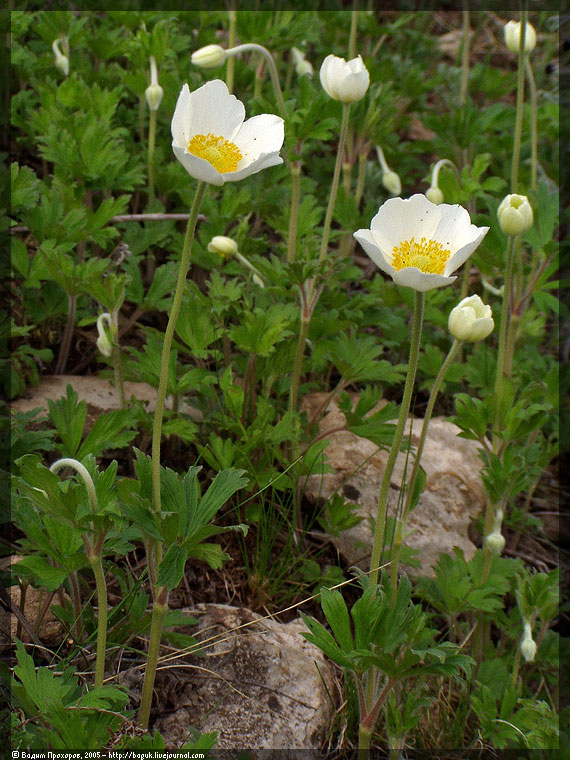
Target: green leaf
(336, 614)
(224, 485)
(42, 573)
(68, 416)
(319, 636)
(113, 429)
(171, 569)
(210, 553)
(44, 689)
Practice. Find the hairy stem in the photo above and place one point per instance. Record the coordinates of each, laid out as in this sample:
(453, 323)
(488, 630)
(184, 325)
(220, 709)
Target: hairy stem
(380, 531)
(335, 181)
(167, 345)
(411, 484)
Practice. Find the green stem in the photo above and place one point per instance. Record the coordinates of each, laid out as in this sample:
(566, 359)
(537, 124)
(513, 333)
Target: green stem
(533, 126)
(151, 144)
(411, 484)
(361, 177)
(96, 563)
(336, 177)
(230, 66)
(379, 535)
(168, 337)
(505, 313)
(67, 335)
(116, 355)
(83, 472)
(364, 741)
(519, 111)
(464, 58)
(252, 46)
(516, 667)
(353, 30)
(159, 611)
(294, 213)
(297, 366)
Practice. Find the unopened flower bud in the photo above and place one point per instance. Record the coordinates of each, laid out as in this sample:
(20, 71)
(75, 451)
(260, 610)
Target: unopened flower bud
(103, 342)
(495, 542)
(61, 61)
(344, 81)
(434, 195)
(528, 649)
(471, 320)
(515, 214)
(391, 182)
(390, 179)
(304, 68)
(209, 57)
(513, 37)
(528, 645)
(223, 246)
(154, 91)
(153, 95)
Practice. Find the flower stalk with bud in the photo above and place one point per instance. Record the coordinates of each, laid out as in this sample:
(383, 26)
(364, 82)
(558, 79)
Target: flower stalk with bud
(390, 179)
(111, 348)
(433, 193)
(470, 321)
(439, 239)
(94, 549)
(215, 144)
(61, 60)
(153, 95)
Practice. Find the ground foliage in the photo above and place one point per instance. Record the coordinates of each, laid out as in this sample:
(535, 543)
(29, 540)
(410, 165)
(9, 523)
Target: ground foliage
(235, 525)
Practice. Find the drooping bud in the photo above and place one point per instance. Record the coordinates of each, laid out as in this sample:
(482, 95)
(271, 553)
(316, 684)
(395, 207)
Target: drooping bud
(391, 182)
(344, 81)
(515, 214)
(495, 542)
(390, 179)
(513, 31)
(103, 343)
(223, 246)
(209, 57)
(471, 320)
(302, 66)
(61, 61)
(528, 645)
(434, 195)
(154, 91)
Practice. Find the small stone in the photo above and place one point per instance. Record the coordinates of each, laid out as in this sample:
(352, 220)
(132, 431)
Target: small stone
(451, 500)
(262, 686)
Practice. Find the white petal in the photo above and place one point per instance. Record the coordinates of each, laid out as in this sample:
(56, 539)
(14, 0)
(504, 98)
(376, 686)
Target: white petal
(412, 277)
(462, 254)
(259, 135)
(367, 241)
(332, 71)
(197, 167)
(182, 118)
(352, 87)
(214, 109)
(454, 229)
(398, 220)
(264, 161)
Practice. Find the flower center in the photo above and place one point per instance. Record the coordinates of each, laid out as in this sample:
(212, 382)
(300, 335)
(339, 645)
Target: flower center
(427, 255)
(222, 154)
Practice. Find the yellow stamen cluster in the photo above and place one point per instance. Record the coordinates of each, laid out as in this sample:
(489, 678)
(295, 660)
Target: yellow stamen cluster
(427, 255)
(222, 154)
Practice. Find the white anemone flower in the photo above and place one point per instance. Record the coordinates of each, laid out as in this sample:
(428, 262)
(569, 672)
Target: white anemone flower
(418, 243)
(213, 142)
(343, 80)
